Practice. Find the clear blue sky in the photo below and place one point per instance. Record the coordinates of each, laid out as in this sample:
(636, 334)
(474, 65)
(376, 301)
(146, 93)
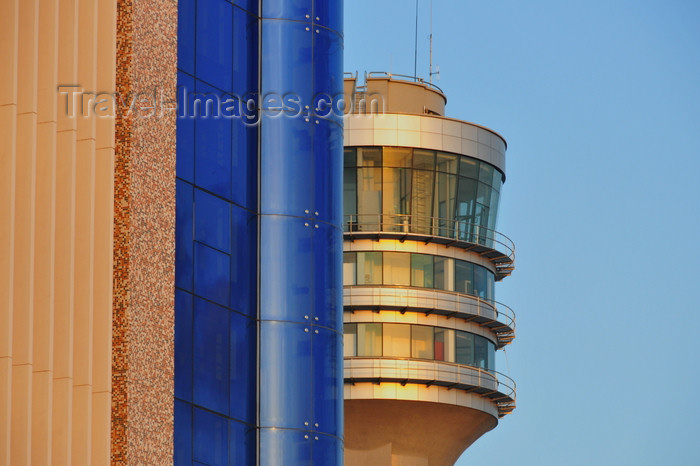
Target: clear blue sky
(600, 104)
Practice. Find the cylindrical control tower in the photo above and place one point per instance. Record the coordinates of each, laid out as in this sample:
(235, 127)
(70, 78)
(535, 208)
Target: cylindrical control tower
(421, 257)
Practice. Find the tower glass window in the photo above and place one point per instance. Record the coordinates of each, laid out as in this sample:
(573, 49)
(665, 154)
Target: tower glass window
(395, 340)
(420, 191)
(418, 270)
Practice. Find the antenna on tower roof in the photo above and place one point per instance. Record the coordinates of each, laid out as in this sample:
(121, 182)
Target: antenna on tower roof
(437, 67)
(415, 46)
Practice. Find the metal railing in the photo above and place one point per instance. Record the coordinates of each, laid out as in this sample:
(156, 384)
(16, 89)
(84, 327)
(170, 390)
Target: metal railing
(403, 77)
(498, 386)
(458, 230)
(477, 306)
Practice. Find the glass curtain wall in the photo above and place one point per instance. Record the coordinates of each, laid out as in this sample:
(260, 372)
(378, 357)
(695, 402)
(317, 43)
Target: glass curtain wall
(419, 270)
(258, 331)
(420, 191)
(419, 342)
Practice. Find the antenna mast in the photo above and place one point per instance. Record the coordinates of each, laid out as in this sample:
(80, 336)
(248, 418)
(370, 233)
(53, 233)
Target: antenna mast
(415, 46)
(437, 72)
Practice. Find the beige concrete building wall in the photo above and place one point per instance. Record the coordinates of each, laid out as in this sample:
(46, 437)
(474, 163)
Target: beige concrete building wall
(57, 234)
(57, 200)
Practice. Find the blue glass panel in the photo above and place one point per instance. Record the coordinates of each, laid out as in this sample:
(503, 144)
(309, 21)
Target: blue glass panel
(286, 268)
(183, 345)
(245, 56)
(328, 72)
(212, 274)
(285, 447)
(327, 450)
(330, 13)
(328, 384)
(213, 134)
(287, 173)
(242, 446)
(243, 368)
(243, 262)
(182, 433)
(185, 128)
(328, 276)
(328, 171)
(185, 35)
(184, 197)
(210, 438)
(287, 58)
(290, 9)
(285, 375)
(249, 5)
(211, 356)
(215, 43)
(244, 167)
(212, 221)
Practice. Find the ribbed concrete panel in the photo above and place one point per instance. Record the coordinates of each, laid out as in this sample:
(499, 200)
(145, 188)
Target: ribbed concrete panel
(64, 271)
(84, 237)
(56, 251)
(23, 250)
(83, 318)
(44, 239)
(106, 24)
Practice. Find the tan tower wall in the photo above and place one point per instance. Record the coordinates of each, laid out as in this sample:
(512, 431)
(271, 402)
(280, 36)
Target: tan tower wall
(57, 236)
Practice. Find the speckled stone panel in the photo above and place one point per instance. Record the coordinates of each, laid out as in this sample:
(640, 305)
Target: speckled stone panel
(144, 233)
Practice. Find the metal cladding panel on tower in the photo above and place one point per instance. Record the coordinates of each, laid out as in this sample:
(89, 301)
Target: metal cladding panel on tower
(259, 238)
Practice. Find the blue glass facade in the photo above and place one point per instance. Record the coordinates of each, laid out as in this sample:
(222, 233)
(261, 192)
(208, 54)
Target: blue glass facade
(258, 312)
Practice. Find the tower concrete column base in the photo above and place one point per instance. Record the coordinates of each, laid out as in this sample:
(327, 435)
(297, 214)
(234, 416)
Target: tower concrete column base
(410, 433)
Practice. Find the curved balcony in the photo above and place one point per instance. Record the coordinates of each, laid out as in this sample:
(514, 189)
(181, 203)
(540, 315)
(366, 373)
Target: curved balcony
(492, 385)
(495, 316)
(490, 244)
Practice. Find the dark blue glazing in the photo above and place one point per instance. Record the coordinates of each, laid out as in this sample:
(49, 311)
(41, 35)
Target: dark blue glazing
(288, 9)
(182, 433)
(329, 14)
(258, 358)
(327, 405)
(213, 134)
(286, 162)
(245, 56)
(184, 246)
(282, 447)
(242, 368)
(210, 444)
(183, 345)
(286, 284)
(185, 38)
(285, 375)
(211, 356)
(241, 444)
(243, 261)
(328, 160)
(214, 43)
(212, 278)
(327, 247)
(185, 129)
(212, 225)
